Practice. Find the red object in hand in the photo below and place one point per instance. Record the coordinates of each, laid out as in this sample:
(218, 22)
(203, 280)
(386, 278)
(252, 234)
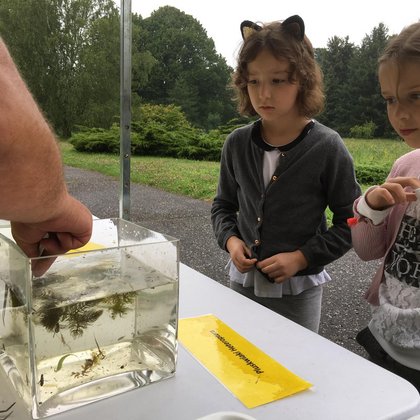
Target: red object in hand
(352, 221)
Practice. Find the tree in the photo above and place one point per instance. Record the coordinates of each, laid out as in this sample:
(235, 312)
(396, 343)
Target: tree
(68, 52)
(99, 80)
(26, 27)
(368, 103)
(142, 60)
(336, 63)
(188, 72)
(353, 98)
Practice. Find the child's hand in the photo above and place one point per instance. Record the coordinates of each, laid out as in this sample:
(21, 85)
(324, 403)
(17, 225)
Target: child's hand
(392, 192)
(240, 254)
(282, 266)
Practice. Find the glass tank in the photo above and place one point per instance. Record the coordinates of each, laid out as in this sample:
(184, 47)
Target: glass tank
(101, 321)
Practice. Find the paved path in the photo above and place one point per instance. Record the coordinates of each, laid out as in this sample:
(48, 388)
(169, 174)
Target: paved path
(344, 310)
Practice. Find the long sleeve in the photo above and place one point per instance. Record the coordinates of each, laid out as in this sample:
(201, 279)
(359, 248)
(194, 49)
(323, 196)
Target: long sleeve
(225, 205)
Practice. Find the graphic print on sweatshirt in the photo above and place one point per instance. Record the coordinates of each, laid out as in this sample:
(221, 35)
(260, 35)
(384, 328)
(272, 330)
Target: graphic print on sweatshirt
(403, 262)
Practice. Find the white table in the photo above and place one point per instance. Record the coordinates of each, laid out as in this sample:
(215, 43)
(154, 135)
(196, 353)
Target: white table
(346, 386)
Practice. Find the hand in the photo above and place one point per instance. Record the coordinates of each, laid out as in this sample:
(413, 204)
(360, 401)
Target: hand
(392, 192)
(240, 254)
(69, 228)
(281, 267)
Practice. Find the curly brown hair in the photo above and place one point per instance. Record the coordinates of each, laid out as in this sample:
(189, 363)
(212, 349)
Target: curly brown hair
(303, 68)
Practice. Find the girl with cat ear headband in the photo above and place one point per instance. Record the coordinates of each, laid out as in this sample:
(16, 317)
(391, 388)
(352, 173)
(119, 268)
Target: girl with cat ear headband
(279, 173)
(285, 39)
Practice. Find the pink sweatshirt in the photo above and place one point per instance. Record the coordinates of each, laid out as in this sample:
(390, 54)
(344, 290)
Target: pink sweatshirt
(371, 241)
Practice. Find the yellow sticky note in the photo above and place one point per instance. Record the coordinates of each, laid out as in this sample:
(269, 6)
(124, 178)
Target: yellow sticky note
(251, 375)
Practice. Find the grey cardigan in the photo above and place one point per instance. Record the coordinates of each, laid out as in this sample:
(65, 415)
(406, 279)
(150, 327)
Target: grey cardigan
(314, 171)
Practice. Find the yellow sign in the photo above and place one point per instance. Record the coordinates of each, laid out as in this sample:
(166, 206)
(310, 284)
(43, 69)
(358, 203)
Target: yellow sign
(90, 246)
(252, 376)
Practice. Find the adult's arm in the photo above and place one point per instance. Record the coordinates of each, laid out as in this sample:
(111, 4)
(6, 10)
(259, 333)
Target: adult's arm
(33, 192)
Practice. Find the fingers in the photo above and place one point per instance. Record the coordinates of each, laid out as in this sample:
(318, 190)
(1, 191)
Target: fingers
(69, 229)
(393, 191)
(397, 188)
(380, 198)
(274, 272)
(281, 267)
(244, 264)
(41, 265)
(30, 249)
(56, 243)
(52, 245)
(411, 196)
(35, 250)
(240, 254)
(412, 182)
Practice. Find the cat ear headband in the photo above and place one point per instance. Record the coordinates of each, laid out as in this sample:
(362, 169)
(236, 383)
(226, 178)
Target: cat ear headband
(293, 25)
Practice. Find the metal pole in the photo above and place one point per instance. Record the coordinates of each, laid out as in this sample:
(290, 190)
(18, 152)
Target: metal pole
(125, 108)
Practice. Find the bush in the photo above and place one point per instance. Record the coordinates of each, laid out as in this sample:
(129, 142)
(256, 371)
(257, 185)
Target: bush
(99, 140)
(371, 175)
(364, 131)
(156, 130)
(207, 146)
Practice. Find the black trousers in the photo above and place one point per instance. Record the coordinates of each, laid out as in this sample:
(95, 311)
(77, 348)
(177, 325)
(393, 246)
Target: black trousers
(379, 356)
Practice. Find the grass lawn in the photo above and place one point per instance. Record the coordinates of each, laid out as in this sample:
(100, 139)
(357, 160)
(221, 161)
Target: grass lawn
(198, 179)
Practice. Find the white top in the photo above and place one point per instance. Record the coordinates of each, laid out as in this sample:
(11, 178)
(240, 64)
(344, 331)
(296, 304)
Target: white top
(395, 322)
(263, 288)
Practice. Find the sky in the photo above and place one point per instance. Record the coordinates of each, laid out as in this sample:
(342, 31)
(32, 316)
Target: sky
(323, 18)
